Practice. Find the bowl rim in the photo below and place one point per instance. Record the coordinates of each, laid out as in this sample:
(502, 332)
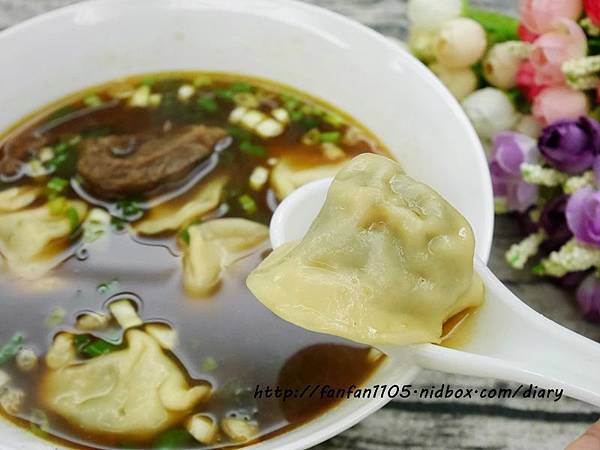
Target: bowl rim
(486, 233)
(485, 241)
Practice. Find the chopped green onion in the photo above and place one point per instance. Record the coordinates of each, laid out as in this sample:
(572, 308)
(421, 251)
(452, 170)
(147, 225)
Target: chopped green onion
(290, 102)
(209, 364)
(185, 236)
(108, 288)
(39, 425)
(296, 116)
(92, 101)
(11, 348)
(88, 346)
(57, 205)
(61, 147)
(150, 81)
(55, 317)
(201, 81)
(175, 438)
(330, 136)
(333, 119)
(241, 87)
(226, 94)
(310, 122)
(129, 208)
(118, 224)
(208, 104)
(248, 204)
(253, 149)
(74, 140)
(73, 216)
(239, 133)
(98, 348)
(56, 185)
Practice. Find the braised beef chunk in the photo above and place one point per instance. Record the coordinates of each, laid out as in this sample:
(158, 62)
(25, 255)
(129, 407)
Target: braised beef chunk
(14, 151)
(134, 164)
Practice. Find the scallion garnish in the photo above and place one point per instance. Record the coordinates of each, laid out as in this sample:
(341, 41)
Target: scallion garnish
(248, 204)
(172, 439)
(253, 149)
(330, 136)
(73, 216)
(91, 347)
(208, 105)
(11, 348)
(56, 186)
(92, 101)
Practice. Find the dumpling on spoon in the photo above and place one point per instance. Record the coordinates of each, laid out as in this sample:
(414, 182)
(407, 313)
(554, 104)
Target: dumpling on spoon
(386, 261)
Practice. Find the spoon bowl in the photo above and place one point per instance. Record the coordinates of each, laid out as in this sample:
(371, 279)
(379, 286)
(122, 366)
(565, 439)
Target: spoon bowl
(508, 340)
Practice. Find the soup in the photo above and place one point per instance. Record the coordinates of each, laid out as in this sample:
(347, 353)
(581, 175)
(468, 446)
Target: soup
(130, 217)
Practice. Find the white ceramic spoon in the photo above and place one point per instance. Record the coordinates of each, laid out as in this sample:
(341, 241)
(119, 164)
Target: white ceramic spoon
(508, 340)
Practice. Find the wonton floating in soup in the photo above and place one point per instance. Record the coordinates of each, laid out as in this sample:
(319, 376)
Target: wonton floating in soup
(386, 261)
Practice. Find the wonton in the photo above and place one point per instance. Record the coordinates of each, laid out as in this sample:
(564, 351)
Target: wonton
(25, 236)
(387, 261)
(16, 198)
(285, 177)
(205, 200)
(213, 246)
(136, 392)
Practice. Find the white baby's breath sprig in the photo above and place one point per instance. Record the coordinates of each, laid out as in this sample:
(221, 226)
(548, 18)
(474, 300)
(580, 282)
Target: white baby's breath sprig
(543, 176)
(582, 73)
(574, 256)
(573, 184)
(518, 254)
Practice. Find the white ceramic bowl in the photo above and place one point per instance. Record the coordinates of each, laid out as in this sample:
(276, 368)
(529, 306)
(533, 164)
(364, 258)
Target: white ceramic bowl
(309, 48)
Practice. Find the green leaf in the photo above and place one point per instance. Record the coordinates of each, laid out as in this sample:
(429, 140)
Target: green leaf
(499, 27)
(594, 46)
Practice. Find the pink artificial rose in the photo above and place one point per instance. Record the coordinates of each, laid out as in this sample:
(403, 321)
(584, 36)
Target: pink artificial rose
(526, 81)
(592, 9)
(558, 103)
(526, 34)
(540, 15)
(566, 41)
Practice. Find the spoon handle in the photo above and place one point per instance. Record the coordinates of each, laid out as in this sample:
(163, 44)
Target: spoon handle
(511, 341)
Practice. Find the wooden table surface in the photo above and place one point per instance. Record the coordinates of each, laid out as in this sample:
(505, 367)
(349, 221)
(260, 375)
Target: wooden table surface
(437, 424)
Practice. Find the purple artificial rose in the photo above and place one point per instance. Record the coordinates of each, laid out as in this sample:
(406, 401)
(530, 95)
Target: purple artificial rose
(553, 221)
(583, 215)
(571, 145)
(510, 151)
(588, 296)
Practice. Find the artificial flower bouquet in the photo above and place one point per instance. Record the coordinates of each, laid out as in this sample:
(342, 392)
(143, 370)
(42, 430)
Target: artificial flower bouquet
(531, 87)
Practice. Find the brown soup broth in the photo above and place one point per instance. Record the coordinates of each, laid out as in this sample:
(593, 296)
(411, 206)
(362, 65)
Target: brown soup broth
(229, 340)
